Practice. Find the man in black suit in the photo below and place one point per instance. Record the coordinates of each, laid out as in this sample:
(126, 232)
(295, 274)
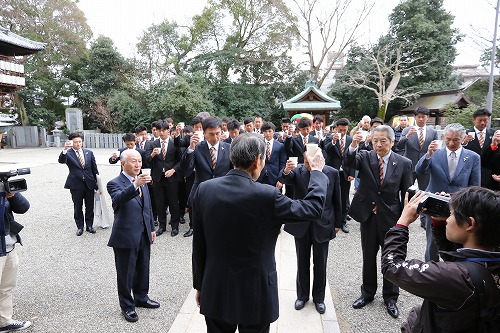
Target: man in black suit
(234, 271)
(285, 127)
(275, 157)
(336, 146)
(132, 235)
(81, 180)
(129, 140)
(141, 136)
(480, 141)
(257, 123)
(233, 128)
(208, 156)
(295, 146)
(316, 234)
(164, 159)
(491, 160)
(318, 130)
(384, 178)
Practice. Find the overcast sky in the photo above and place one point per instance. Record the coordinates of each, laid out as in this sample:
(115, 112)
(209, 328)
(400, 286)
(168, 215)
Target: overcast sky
(124, 20)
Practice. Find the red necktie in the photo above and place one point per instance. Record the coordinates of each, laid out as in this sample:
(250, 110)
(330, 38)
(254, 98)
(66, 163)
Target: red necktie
(80, 157)
(381, 170)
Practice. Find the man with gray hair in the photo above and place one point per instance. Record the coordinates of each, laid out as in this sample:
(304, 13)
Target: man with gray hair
(451, 168)
(385, 176)
(235, 232)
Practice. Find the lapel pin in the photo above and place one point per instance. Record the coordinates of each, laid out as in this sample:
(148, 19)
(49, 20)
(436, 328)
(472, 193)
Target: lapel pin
(466, 158)
(393, 163)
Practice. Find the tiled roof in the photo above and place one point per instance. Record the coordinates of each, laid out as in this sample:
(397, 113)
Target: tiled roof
(18, 45)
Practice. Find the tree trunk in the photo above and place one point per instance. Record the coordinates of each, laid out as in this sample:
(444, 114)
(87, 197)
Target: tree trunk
(382, 110)
(21, 110)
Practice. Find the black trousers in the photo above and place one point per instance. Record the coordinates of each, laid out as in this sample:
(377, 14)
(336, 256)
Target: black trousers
(220, 326)
(167, 196)
(303, 247)
(345, 187)
(153, 202)
(189, 186)
(79, 196)
(372, 239)
(132, 273)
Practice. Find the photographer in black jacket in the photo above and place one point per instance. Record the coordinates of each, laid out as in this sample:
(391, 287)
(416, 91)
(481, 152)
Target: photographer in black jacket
(451, 302)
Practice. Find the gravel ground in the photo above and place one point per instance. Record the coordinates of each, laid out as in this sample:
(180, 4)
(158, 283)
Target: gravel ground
(68, 283)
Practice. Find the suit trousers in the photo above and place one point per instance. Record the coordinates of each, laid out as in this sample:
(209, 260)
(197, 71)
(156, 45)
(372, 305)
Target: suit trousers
(372, 239)
(320, 255)
(8, 267)
(345, 187)
(79, 196)
(167, 196)
(189, 186)
(220, 326)
(431, 249)
(132, 273)
(153, 202)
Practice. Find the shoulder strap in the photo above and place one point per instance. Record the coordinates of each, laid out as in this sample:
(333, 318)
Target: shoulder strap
(482, 279)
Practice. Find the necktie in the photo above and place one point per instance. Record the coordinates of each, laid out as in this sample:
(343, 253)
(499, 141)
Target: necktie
(481, 139)
(452, 166)
(381, 170)
(421, 137)
(80, 157)
(163, 150)
(305, 141)
(268, 151)
(342, 147)
(213, 157)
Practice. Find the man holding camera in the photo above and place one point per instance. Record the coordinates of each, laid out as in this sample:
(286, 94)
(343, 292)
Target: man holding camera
(451, 168)
(452, 300)
(10, 203)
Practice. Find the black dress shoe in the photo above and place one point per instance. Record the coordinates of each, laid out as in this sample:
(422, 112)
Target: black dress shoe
(345, 228)
(361, 302)
(160, 231)
(79, 232)
(91, 230)
(422, 224)
(320, 307)
(156, 223)
(182, 220)
(130, 315)
(392, 309)
(349, 218)
(174, 232)
(150, 304)
(189, 233)
(299, 304)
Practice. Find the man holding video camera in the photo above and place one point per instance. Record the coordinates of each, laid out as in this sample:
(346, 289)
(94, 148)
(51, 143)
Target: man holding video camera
(10, 203)
(460, 293)
(451, 168)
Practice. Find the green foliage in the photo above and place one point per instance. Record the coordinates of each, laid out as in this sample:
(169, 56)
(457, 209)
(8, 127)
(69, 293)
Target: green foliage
(43, 117)
(461, 116)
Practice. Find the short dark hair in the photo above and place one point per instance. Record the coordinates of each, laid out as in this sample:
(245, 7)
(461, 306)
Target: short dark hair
(169, 120)
(140, 128)
(267, 126)
(304, 122)
(318, 118)
(154, 124)
(187, 129)
(484, 206)
(211, 122)
(258, 117)
(233, 124)
(196, 120)
(225, 120)
(481, 112)
(376, 120)
(128, 137)
(423, 110)
(342, 122)
(73, 135)
(245, 148)
(163, 125)
(285, 120)
(248, 121)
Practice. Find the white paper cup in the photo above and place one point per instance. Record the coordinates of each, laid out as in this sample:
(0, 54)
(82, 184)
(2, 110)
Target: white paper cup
(146, 172)
(473, 134)
(182, 125)
(199, 134)
(295, 160)
(311, 148)
(157, 150)
(439, 143)
(364, 134)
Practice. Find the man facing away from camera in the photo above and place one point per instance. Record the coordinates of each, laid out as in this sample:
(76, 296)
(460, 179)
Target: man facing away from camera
(234, 270)
(451, 302)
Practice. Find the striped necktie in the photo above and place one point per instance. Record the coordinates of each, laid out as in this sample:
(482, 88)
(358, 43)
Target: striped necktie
(481, 139)
(305, 141)
(268, 150)
(342, 147)
(421, 137)
(381, 170)
(163, 149)
(80, 157)
(213, 157)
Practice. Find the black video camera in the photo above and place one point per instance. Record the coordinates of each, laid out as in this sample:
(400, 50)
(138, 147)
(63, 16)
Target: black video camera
(435, 205)
(13, 185)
